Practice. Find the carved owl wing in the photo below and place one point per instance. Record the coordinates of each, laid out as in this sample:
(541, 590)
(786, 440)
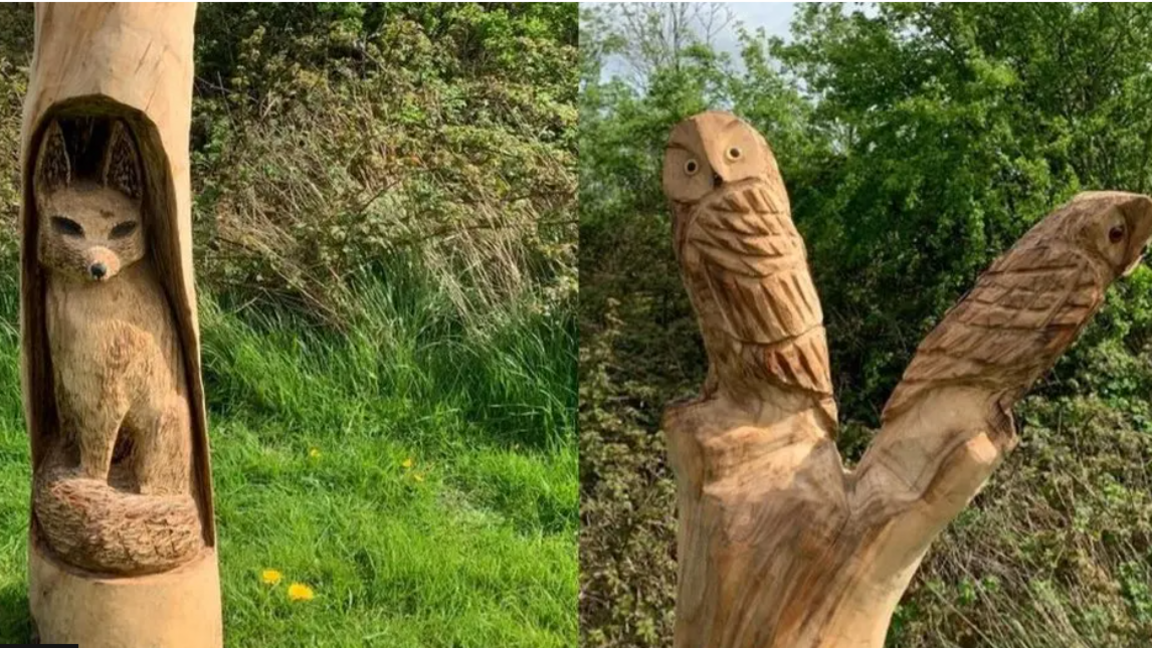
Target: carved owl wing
(1023, 312)
(755, 266)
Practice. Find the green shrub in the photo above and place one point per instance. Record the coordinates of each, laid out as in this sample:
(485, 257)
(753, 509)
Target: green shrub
(357, 136)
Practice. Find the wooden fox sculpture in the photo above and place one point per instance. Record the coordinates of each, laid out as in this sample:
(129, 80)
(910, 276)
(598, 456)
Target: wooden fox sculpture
(115, 494)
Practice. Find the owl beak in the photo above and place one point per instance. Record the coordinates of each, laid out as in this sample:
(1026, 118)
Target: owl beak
(717, 164)
(1139, 216)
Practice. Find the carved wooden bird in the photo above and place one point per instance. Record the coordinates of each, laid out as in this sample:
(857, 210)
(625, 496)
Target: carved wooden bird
(1030, 305)
(744, 266)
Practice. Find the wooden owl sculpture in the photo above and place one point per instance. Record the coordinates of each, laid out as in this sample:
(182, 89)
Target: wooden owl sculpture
(778, 546)
(1031, 304)
(745, 267)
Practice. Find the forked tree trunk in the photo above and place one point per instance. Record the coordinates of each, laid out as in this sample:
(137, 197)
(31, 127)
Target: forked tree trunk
(125, 559)
(778, 545)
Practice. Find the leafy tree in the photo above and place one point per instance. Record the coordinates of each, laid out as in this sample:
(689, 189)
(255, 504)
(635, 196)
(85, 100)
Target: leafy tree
(955, 128)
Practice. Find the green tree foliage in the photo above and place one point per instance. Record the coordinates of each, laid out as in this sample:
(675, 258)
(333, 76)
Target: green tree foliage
(917, 141)
(954, 129)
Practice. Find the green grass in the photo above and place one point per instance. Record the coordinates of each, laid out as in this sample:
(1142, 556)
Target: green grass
(474, 545)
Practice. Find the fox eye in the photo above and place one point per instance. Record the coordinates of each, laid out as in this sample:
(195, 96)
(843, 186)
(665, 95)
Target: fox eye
(67, 226)
(123, 229)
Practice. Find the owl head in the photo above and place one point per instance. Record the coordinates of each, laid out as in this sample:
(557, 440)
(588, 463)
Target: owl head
(712, 150)
(1112, 226)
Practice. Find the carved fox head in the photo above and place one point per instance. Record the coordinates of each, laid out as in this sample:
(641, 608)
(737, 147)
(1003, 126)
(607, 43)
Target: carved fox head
(89, 229)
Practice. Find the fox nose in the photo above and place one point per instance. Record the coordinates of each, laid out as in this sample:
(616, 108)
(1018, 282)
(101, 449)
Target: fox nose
(98, 270)
(717, 181)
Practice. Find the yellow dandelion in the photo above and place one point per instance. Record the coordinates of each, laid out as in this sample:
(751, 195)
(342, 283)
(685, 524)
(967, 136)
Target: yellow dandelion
(300, 592)
(270, 576)
(407, 463)
(418, 477)
(314, 453)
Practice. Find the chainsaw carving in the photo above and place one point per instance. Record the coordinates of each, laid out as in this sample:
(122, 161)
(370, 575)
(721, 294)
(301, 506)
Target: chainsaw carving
(745, 267)
(122, 544)
(779, 546)
(1029, 306)
(118, 368)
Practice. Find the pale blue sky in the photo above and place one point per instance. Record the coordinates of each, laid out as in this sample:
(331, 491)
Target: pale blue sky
(774, 17)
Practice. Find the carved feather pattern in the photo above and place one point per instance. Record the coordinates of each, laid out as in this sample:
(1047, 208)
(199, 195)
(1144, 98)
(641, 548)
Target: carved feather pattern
(1022, 314)
(756, 271)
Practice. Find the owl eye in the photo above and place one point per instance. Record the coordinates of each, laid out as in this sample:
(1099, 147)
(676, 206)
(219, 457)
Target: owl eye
(691, 167)
(733, 153)
(1116, 234)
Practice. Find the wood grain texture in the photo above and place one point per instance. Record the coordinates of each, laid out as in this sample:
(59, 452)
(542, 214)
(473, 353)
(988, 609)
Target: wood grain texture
(779, 546)
(745, 267)
(179, 608)
(122, 542)
(136, 333)
(94, 526)
(1029, 306)
(118, 367)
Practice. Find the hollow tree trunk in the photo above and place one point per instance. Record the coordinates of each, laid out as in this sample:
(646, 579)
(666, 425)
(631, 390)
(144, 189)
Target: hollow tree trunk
(127, 558)
(778, 545)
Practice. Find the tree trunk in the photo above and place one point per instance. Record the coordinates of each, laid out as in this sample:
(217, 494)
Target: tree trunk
(780, 547)
(123, 555)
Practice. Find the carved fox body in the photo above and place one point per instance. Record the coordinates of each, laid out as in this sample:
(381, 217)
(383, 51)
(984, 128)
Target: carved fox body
(116, 359)
(115, 493)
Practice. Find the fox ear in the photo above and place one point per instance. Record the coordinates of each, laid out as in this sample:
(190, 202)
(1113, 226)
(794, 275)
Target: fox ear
(53, 168)
(120, 167)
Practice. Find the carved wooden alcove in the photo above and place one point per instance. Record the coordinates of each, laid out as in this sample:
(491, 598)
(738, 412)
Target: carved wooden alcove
(779, 546)
(123, 559)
